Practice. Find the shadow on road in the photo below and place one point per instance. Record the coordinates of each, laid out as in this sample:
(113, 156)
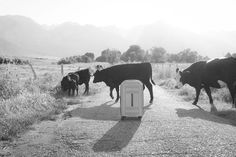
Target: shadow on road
(117, 137)
(200, 114)
(105, 111)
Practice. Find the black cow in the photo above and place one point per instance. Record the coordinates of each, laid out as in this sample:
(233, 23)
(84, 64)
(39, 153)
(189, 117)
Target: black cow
(115, 75)
(84, 78)
(204, 74)
(70, 83)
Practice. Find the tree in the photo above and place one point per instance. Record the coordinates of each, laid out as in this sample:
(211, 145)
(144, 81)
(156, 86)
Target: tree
(188, 56)
(147, 57)
(134, 53)
(228, 55)
(111, 56)
(158, 54)
(101, 59)
(90, 55)
(234, 55)
(172, 58)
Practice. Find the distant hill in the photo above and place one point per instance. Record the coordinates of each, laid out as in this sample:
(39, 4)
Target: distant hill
(174, 40)
(21, 36)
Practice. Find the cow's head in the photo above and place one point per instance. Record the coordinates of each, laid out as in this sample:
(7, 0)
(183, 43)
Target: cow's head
(65, 83)
(98, 76)
(181, 78)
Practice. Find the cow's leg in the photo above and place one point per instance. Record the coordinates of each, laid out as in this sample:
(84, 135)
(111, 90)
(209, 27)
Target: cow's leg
(143, 86)
(73, 92)
(149, 86)
(117, 92)
(232, 93)
(111, 95)
(69, 92)
(77, 90)
(87, 88)
(198, 90)
(208, 91)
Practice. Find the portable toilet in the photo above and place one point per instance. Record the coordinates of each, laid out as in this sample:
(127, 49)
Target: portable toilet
(131, 99)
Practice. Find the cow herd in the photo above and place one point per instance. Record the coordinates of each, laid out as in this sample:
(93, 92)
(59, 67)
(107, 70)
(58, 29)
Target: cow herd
(112, 77)
(202, 74)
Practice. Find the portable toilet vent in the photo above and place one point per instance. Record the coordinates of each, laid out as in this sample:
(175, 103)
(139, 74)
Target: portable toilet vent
(131, 99)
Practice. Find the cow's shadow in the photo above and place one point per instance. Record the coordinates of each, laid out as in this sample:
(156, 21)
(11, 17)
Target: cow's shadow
(201, 114)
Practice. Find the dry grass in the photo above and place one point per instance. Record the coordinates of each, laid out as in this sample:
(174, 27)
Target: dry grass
(24, 101)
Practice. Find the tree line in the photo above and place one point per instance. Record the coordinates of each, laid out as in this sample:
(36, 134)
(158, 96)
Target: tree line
(17, 61)
(136, 54)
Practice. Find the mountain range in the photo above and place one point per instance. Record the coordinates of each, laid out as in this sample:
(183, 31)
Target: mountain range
(22, 36)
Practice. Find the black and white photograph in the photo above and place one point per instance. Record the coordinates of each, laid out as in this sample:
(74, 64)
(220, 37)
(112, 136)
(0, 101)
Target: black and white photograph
(117, 78)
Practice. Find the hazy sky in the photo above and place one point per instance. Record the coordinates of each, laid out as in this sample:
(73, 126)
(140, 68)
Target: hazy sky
(198, 15)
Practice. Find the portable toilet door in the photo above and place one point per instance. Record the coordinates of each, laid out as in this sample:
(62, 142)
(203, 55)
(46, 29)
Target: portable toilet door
(131, 99)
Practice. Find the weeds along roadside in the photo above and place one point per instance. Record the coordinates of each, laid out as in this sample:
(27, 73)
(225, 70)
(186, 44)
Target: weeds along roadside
(23, 102)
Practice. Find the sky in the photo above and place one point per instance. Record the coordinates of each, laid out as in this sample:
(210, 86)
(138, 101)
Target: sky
(194, 15)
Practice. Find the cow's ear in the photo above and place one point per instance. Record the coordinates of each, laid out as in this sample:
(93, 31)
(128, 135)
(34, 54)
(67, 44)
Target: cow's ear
(177, 70)
(99, 67)
(68, 77)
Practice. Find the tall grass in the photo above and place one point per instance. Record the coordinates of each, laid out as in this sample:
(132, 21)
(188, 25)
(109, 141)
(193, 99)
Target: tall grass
(23, 102)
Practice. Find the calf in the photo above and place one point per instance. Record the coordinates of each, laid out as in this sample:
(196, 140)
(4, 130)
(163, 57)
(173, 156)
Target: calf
(84, 78)
(115, 75)
(70, 83)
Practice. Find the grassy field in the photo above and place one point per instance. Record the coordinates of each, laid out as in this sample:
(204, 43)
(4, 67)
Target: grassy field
(25, 100)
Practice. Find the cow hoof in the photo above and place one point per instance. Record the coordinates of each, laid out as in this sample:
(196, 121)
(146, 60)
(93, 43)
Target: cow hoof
(151, 101)
(194, 103)
(116, 101)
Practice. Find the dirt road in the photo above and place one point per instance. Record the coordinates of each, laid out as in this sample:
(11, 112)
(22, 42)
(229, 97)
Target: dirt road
(92, 127)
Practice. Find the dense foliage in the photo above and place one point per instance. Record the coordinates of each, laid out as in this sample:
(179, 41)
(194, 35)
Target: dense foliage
(17, 61)
(86, 58)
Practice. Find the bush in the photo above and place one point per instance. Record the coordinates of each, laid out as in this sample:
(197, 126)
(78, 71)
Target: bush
(17, 61)
(86, 58)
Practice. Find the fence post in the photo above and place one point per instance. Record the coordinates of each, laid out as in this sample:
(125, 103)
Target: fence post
(234, 87)
(62, 70)
(35, 76)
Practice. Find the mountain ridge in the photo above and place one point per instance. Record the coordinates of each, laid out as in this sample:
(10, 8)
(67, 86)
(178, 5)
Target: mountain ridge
(22, 36)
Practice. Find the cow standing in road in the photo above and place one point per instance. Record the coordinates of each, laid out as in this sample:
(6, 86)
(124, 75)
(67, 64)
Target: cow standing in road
(115, 75)
(204, 74)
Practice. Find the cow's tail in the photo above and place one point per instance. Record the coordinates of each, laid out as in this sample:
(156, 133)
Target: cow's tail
(153, 81)
(151, 76)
